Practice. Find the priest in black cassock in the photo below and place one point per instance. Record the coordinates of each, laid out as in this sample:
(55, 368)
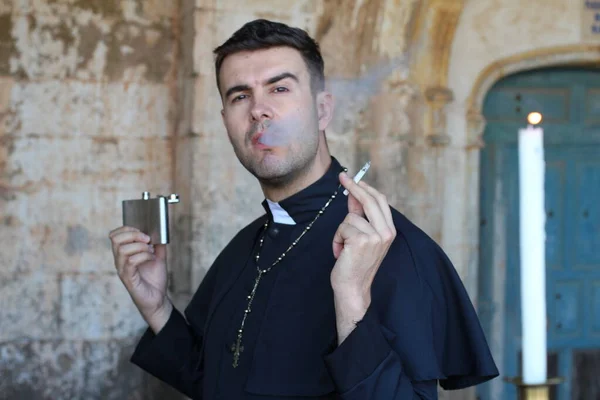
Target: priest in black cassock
(325, 296)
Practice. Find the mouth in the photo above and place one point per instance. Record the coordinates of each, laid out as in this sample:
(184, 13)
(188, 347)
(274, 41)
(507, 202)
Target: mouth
(257, 143)
(255, 139)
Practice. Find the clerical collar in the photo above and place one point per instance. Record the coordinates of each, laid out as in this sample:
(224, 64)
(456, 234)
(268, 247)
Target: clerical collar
(280, 216)
(302, 206)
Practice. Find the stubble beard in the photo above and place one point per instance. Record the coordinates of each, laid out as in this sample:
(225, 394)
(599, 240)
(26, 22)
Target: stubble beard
(278, 171)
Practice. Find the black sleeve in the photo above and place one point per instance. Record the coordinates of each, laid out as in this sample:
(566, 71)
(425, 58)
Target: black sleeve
(366, 367)
(172, 355)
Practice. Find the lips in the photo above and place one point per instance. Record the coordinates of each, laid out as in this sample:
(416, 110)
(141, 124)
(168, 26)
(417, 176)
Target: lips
(255, 139)
(257, 143)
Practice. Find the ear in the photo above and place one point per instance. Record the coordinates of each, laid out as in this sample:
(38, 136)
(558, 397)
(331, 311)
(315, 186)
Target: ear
(325, 106)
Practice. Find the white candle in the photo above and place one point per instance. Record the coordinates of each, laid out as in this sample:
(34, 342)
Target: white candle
(533, 254)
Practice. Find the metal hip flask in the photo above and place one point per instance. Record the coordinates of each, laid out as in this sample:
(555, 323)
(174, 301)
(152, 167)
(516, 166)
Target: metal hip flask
(151, 216)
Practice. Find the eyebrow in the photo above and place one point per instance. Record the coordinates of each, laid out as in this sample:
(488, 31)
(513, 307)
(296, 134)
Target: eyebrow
(270, 81)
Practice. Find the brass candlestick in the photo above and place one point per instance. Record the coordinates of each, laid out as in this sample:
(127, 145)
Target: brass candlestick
(539, 391)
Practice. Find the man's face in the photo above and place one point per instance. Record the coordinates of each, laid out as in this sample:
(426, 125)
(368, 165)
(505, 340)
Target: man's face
(270, 113)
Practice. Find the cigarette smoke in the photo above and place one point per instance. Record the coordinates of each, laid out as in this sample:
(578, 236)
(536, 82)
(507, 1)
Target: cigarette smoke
(276, 133)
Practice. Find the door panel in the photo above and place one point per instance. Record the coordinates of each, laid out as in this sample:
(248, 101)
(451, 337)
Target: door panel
(570, 102)
(587, 213)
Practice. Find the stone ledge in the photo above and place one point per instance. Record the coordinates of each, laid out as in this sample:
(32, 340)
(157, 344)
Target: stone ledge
(64, 369)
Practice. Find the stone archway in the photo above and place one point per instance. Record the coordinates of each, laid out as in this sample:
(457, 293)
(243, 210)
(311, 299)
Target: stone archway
(488, 46)
(577, 55)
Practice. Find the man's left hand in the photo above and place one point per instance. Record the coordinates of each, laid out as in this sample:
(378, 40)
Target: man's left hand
(359, 245)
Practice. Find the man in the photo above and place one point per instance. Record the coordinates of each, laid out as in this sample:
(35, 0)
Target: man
(324, 296)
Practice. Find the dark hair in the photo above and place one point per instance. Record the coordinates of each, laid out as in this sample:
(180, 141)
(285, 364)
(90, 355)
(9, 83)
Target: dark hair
(263, 34)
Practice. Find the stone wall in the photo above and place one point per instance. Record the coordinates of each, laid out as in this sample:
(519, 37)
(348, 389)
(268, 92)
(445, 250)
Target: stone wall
(100, 100)
(87, 114)
(103, 99)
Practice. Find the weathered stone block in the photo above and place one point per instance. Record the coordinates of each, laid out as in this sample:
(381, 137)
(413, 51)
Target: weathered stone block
(65, 370)
(187, 6)
(55, 107)
(93, 40)
(206, 105)
(204, 23)
(97, 307)
(20, 6)
(215, 26)
(297, 7)
(6, 85)
(187, 38)
(108, 373)
(138, 110)
(6, 6)
(54, 42)
(22, 256)
(59, 213)
(140, 53)
(158, 10)
(41, 370)
(205, 250)
(184, 172)
(88, 109)
(106, 162)
(180, 264)
(73, 236)
(29, 305)
(6, 40)
(138, 11)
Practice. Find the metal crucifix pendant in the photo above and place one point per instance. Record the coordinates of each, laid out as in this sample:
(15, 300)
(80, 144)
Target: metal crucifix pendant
(237, 348)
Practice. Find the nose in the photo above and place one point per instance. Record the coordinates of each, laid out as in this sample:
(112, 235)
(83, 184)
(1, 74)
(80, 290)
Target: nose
(260, 110)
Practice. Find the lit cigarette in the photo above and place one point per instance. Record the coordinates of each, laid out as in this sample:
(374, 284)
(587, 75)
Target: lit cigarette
(359, 175)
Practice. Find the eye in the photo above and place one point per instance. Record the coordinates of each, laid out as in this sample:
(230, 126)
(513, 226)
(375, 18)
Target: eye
(238, 98)
(280, 89)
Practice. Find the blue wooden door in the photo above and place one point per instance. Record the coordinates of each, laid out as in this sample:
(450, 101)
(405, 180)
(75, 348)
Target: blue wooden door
(570, 102)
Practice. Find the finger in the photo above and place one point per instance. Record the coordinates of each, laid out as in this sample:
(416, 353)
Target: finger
(369, 204)
(354, 206)
(383, 203)
(130, 249)
(343, 233)
(127, 237)
(360, 223)
(134, 261)
(124, 252)
(121, 229)
(130, 237)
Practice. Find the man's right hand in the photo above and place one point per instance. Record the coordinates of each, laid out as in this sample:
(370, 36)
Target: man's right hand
(142, 268)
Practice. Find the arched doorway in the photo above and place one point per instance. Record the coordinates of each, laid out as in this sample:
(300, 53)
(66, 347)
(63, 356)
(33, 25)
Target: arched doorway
(570, 101)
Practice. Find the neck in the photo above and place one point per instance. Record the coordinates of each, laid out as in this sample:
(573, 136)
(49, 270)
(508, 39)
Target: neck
(309, 176)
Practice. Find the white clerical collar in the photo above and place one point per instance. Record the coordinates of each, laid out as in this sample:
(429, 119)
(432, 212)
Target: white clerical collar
(280, 216)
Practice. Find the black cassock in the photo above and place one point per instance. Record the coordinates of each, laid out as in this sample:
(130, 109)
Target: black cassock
(420, 329)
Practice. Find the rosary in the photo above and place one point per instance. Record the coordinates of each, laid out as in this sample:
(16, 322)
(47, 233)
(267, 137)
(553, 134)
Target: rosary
(237, 347)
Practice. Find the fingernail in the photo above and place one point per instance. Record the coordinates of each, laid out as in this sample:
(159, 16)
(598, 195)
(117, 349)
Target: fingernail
(151, 248)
